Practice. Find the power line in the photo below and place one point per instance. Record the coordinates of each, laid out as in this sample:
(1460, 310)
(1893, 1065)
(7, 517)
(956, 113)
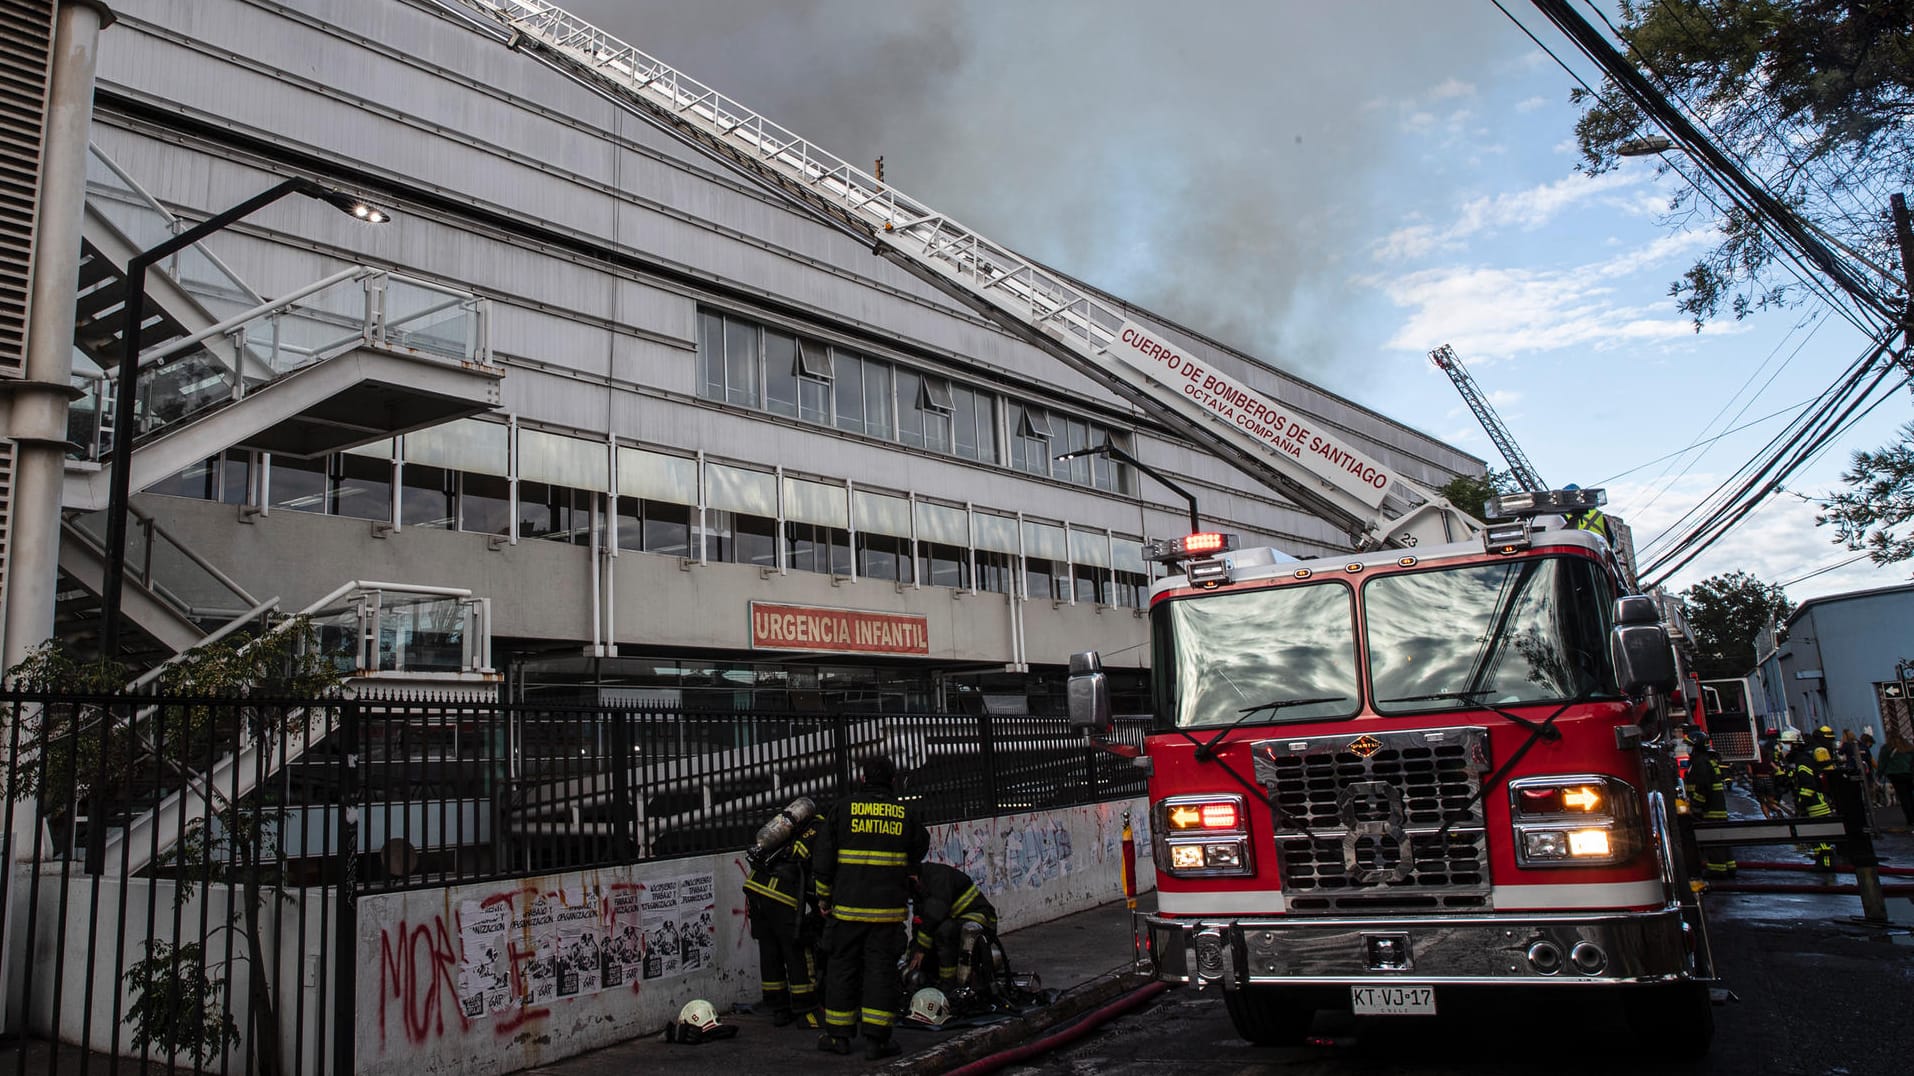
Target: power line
(1707, 441)
(1824, 569)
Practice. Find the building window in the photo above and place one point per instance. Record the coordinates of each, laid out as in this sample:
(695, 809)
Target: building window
(362, 486)
(485, 504)
(555, 513)
(883, 556)
(226, 478)
(655, 527)
(728, 359)
(942, 565)
(735, 538)
(300, 485)
(809, 547)
(996, 572)
(973, 423)
(924, 407)
(429, 497)
(1029, 438)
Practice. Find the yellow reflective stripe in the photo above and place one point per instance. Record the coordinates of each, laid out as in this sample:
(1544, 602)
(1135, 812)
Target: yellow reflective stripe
(976, 917)
(970, 897)
(924, 940)
(770, 986)
(946, 971)
(872, 858)
(879, 1017)
(822, 887)
(867, 915)
(786, 899)
(840, 1017)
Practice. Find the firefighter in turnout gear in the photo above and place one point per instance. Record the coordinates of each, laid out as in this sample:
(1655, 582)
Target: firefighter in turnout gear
(1708, 795)
(946, 900)
(775, 894)
(1810, 794)
(864, 861)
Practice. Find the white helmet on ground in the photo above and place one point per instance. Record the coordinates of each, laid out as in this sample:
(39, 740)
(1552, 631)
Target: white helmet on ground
(929, 1006)
(698, 1014)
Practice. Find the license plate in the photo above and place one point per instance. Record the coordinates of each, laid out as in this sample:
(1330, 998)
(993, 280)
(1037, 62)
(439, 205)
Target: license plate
(1393, 1000)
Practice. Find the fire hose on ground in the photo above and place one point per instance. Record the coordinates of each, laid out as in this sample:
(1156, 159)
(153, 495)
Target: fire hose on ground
(1065, 1035)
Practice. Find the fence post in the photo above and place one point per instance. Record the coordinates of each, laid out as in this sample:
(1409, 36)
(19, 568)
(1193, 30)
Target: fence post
(987, 736)
(1851, 802)
(345, 954)
(626, 817)
(841, 753)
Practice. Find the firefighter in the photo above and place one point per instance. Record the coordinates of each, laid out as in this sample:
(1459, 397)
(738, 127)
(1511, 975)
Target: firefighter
(775, 896)
(947, 904)
(864, 861)
(1708, 793)
(1810, 795)
(1588, 519)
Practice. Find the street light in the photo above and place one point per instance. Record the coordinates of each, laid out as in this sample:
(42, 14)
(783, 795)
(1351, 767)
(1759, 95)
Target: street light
(1106, 449)
(1645, 146)
(134, 313)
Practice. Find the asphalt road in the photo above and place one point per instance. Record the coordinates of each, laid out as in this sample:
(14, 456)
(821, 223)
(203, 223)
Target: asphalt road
(1815, 994)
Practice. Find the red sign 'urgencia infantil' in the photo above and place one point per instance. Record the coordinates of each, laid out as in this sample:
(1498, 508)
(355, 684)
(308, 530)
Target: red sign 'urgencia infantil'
(804, 627)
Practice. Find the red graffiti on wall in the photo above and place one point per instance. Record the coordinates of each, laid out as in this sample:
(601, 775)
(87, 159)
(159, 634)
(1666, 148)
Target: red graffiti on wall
(417, 969)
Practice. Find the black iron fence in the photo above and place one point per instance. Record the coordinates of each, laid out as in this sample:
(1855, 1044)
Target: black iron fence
(182, 865)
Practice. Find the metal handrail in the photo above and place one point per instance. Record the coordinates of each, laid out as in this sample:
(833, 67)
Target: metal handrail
(173, 223)
(154, 525)
(174, 347)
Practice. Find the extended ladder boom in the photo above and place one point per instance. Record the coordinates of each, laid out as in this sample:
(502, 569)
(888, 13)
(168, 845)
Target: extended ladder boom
(1450, 363)
(1304, 459)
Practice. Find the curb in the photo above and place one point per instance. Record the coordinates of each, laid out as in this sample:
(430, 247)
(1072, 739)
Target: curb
(984, 1041)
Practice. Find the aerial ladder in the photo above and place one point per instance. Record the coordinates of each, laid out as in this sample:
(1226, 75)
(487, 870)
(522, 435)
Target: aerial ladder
(1304, 459)
(1450, 363)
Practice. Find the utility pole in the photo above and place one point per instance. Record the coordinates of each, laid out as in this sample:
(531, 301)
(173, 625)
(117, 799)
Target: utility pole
(1904, 233)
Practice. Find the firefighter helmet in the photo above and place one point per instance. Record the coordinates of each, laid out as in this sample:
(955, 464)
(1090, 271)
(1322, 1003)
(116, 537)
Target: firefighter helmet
(1821, 755)
(1698, 738)
(1824, 732)
(698, 1014)
(1791, 735)
(929, 1006)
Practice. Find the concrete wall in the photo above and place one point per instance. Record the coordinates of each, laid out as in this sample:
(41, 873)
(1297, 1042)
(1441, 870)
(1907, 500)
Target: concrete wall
(444, 973)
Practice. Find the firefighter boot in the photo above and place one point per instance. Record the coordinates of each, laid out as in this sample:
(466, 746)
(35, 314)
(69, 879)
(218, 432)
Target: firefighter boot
(879, 1049)
(833, 1044)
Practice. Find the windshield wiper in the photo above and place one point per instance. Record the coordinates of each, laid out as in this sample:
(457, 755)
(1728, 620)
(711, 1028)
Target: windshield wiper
(1540, 728)
(1207, 751)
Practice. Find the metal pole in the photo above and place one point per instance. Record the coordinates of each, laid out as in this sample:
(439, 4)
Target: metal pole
(35, 405)
(1108, 449)
(1904, 233)
(125, 394)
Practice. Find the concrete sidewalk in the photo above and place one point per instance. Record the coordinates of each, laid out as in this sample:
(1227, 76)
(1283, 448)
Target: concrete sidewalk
(1086, 956)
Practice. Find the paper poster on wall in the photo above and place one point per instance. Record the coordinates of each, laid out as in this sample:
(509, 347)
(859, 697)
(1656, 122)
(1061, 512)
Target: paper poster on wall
(624, 946)
(575, 936)
(697, 923)
(659, 916)
(485, 977)
(536, 931)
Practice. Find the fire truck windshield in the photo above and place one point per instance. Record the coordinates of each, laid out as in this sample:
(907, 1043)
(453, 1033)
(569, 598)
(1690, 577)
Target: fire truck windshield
(1505, 633)
(1220, 654)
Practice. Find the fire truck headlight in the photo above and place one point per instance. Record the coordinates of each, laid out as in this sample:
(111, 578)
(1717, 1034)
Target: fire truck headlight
(1588, 843)
(1225, 856)
(1186, 857)
(1575, 821)
(1545, 844)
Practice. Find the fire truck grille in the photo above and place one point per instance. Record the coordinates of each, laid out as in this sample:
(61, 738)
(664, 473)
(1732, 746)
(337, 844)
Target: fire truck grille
(1360, 820)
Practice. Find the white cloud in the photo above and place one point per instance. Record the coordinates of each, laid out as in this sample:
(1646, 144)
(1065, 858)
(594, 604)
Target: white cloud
(1530, 104)
(1527, 210)
(1492, 313)
(1451, 87)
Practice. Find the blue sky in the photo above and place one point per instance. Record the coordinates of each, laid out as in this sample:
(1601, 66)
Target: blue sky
(1337, 188)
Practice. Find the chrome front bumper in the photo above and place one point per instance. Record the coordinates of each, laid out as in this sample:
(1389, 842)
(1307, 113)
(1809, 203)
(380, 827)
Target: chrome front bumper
(1620, 947)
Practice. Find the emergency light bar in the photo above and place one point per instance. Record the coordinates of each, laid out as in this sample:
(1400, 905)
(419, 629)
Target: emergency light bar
(1545, 502)
(1203, 544)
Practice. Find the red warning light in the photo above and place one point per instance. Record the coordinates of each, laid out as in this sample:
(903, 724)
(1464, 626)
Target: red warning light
(1207, 542)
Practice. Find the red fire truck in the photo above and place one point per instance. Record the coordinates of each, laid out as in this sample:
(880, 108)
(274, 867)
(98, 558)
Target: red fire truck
(1382, 780)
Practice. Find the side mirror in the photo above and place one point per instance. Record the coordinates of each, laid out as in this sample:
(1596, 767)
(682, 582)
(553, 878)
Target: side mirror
(1636, 609)
(1088, 692)
(1643, 660)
